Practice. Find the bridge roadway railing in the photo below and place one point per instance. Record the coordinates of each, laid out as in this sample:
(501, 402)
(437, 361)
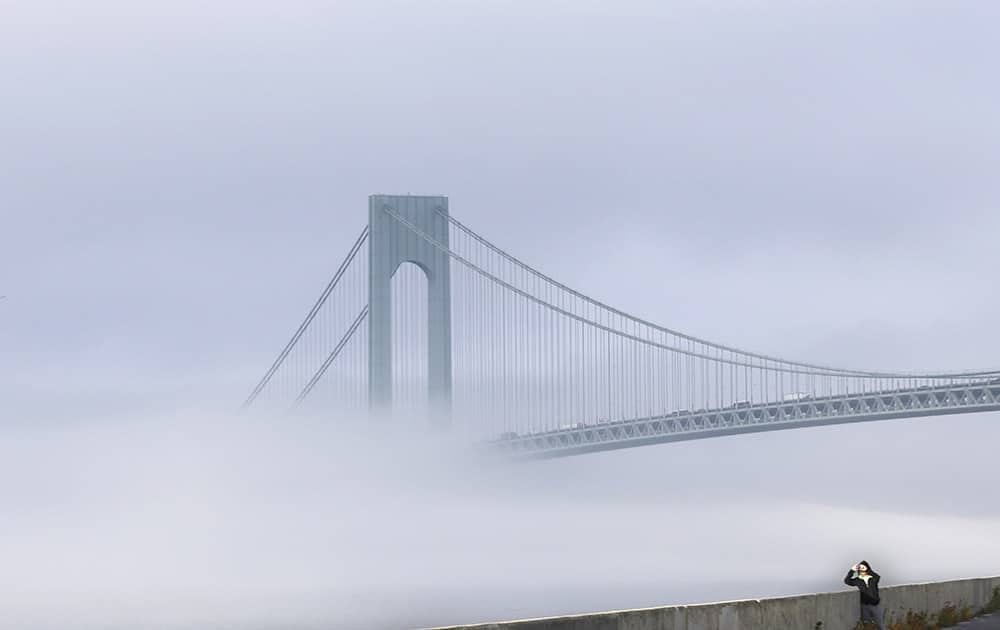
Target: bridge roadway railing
(968, 397)
(836, 611)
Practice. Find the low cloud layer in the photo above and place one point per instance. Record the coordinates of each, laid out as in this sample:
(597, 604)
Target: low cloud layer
(181, 520)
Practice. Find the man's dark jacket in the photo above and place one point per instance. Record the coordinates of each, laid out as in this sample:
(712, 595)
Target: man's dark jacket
(869, 591)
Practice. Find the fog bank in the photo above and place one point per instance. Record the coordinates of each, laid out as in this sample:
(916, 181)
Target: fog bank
(177, 521)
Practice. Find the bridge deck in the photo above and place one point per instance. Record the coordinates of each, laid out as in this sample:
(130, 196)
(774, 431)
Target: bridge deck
(904, 403)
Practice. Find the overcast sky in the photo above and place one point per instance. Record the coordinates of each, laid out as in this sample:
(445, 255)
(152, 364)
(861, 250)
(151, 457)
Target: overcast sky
(816, 181)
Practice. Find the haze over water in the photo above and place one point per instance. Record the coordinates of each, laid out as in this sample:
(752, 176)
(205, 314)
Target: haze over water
(183, 520)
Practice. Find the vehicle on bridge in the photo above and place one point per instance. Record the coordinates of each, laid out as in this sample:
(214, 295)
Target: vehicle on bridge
(795, 396)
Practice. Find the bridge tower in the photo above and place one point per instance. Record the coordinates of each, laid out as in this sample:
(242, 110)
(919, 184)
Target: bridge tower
(390, 244)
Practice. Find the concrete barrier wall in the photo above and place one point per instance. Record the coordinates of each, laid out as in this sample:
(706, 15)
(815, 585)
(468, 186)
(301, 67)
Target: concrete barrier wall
(837, 611)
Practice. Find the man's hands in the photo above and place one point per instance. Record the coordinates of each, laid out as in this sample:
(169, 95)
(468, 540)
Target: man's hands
(854, 568)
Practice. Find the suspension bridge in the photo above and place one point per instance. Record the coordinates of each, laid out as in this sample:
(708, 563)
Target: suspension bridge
(426, 320)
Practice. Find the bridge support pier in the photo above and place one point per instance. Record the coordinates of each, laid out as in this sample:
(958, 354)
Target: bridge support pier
(391, 244)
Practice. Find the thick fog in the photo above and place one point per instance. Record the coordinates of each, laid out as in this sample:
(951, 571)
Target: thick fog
(179, 521)
(179, 180)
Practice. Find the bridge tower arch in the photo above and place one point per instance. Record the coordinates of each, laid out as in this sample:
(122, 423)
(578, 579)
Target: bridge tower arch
(390, 244)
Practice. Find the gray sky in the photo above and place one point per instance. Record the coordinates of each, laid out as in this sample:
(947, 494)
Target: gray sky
(818, 182)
